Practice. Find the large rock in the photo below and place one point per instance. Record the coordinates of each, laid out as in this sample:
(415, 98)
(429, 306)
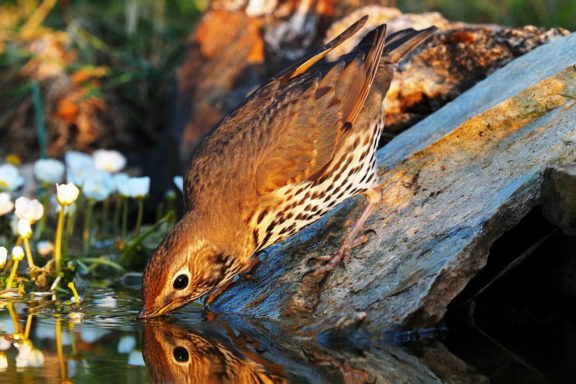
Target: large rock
(452, 185)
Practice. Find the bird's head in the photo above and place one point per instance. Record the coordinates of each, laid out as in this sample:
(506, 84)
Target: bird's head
(185, 266)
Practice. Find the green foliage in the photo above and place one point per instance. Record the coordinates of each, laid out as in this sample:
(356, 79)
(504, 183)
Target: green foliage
(140, 41)
(132, 46)
(541, 13)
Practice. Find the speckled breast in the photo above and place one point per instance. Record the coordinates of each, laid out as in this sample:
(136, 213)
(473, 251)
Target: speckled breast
(352, 172)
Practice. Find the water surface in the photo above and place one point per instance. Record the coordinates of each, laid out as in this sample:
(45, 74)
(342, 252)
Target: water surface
(102, 342)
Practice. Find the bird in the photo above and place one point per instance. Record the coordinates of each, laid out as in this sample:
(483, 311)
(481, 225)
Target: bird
(175, 354)
(283, 159)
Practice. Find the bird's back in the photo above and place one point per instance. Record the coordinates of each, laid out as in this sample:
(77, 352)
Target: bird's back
(294, 149)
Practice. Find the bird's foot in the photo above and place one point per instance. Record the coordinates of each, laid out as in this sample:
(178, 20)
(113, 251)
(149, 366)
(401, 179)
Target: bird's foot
(342, 255)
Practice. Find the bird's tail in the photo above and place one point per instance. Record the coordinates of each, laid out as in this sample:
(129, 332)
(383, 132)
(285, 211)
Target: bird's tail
(400, 43)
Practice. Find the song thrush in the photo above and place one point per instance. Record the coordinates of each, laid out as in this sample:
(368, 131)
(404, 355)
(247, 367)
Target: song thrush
(280, 161)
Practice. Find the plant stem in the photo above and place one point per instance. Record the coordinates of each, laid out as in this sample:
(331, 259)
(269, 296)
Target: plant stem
(69, 230)
(116, 218)
(75, 292)
(58, 240)
(105, 210)
(14, 317)
(39, 112)
(127, 251)
(139, 217)
(124, 220)
(159, 211)
(29, 254)
(87, 229)
(12, 275)
(59, 349)
(96, 261)
(28, 326)
(42, 223)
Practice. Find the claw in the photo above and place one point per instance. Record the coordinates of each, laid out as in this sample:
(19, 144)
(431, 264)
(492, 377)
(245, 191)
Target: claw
(322, 258)
(368, 231)
(351, 240)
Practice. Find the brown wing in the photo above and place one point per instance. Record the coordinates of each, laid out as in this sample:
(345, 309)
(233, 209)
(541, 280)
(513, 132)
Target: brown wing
(313, 109)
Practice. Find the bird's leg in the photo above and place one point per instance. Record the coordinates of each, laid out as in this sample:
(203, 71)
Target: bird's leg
(351, 239)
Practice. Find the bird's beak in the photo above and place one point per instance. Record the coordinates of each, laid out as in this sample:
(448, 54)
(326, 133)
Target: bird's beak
(145, 313)
(153, 310)
(142, 314)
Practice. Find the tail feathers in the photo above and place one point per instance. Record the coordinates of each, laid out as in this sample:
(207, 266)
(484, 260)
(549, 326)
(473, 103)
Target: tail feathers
(400, 43)
(396, 46)
(302, 65)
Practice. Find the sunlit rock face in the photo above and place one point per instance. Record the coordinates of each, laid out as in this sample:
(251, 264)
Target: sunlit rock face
(452, 184)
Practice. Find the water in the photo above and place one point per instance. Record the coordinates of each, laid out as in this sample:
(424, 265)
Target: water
(46, 342)
(54, 342)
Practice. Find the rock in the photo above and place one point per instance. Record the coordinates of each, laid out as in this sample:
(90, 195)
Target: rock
(559, 196)
(450, 62)
(220, 68)
(452, 185)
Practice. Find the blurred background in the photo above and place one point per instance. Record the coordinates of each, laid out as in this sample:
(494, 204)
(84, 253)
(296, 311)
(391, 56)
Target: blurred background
(80, 74)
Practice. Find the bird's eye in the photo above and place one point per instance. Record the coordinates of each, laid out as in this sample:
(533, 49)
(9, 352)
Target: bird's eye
(180, 354)
(181, 282)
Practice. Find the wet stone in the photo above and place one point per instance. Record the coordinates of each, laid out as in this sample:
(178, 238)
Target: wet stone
(452, 185)
(559, 197)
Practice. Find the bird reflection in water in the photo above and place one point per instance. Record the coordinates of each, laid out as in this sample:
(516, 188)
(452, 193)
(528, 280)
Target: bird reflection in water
(175, 354)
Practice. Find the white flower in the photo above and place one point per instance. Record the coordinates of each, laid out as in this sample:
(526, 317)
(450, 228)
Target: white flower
(17, 253)
(45, 248)
(49, 170)
(79, 167)
(121, 181)
(106, 302)
(66, 194)
(91, 335)
(4, 343)
(126, 344)
(179, 182)
(24, 229)
(26, 209)
(110, 161)
(3, 256)
(99, 186)
(3, 362)
(28, 356)
(135, 358)
(6, 205)
(135, 187)
(10, 178)
(71, 368)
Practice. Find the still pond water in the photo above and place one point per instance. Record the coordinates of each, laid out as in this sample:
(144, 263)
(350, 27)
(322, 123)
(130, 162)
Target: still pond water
(41, 341)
